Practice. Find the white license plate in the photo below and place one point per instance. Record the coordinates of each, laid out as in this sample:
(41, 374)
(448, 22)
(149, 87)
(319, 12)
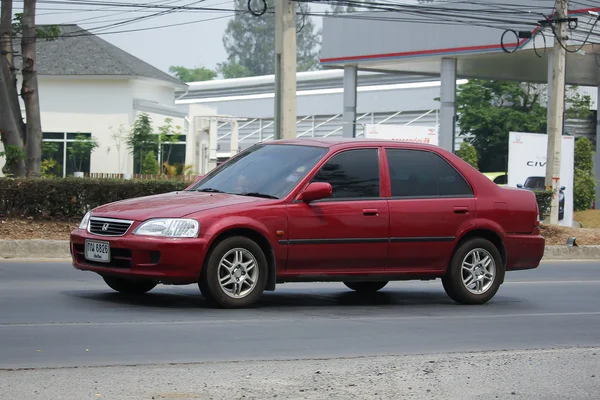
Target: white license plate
(97, 251)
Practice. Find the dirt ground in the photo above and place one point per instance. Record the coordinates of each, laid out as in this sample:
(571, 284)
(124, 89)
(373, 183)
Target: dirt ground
(558, 235)
(34, 229)
(59, 230)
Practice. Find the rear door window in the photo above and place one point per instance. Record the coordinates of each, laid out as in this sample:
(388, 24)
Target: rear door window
(419, 173)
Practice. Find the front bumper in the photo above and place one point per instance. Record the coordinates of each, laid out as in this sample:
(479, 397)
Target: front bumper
(174, 261)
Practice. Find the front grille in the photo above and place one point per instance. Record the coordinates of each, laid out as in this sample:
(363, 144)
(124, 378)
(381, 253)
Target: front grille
(109, 227)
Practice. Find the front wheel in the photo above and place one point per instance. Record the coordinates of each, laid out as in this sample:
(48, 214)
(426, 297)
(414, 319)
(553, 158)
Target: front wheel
(235, 274)
(475, 272)
(129, 286)
(366, 287)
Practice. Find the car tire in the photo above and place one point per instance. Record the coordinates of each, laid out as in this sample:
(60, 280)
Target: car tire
(477, 285)
(129, 286)
(366, 287)
(235, 274)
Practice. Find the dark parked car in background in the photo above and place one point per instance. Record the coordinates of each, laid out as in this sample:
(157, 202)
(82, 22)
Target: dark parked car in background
(539, 183)
(361, 212)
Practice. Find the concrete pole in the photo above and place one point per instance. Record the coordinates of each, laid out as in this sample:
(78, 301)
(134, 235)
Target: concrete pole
(350, 86)
(549, 93)
(212, 144)
(285, 69)
(556, 110)
(597, 154)
(234, 144)
(448, 104)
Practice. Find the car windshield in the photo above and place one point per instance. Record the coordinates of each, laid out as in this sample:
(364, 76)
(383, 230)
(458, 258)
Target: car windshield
(535, 182)
(263, 170)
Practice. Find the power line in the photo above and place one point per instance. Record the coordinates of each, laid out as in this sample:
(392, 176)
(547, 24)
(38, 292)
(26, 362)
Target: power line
(145, 17)
(440, 13)
(119, 13)
(95, 10)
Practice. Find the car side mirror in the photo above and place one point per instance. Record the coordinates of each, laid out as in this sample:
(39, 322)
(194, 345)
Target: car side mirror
(520, 185)
(316, 191)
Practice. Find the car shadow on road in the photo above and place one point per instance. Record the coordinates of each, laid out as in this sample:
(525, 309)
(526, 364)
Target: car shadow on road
(289, 299)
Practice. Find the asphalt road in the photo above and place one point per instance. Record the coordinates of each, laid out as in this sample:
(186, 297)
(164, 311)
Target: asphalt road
(54, 316)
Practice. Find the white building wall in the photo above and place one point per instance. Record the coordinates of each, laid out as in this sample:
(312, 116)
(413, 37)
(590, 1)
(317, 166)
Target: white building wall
(93, 106)
(103, 107)
(154, 91)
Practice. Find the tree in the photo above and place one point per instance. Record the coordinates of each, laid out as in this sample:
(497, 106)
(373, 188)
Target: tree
(232, 70)
(82, 149)
(197, 74)
(141, 138)
(12, 128)
(584, 190)
(468, 153)
(339, 8)
(22, 143)
(150, 165)
(29, 92)
(489, 110)
(168, 135)
(50, 166)
(577, 104)
(250, 41)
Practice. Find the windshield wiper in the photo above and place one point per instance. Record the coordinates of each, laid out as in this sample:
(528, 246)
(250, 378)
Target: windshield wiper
(210, 190)
(256, 194)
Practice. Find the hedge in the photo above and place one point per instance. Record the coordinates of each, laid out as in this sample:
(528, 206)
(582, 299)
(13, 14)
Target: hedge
(73, 197)
(544, 199)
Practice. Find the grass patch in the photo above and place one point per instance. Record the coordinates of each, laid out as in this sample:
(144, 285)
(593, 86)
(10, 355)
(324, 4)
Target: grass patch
(589, 218)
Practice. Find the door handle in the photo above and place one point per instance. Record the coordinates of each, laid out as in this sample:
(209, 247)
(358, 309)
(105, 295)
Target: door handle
(461, 210)
(370, 211)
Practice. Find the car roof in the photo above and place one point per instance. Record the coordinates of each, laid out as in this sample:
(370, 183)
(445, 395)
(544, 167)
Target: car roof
(352, 142)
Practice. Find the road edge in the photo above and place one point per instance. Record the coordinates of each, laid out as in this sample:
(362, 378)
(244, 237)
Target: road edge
(59, 249)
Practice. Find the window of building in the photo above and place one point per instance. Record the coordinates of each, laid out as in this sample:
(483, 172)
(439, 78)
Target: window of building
(57, 154)
(416, 173)
(352, 174)
(172, 153)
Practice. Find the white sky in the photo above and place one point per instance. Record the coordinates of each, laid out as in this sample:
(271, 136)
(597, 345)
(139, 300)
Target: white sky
(197, 44)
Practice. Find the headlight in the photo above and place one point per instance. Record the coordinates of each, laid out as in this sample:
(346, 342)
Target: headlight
(85, 221)
(168, 227)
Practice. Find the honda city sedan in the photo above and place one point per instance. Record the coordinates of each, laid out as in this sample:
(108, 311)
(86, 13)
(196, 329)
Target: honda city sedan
(361, 212)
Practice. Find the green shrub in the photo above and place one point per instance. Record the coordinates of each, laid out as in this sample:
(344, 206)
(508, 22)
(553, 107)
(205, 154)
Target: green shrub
(150, 164)
(73, 197)
(544, 200)
(584, 183)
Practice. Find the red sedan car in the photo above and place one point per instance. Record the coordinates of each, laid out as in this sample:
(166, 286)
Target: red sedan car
(354, 211)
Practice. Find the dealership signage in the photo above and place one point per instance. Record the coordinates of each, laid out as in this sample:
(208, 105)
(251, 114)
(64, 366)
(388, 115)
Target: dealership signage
(527, 168)
(411, 133)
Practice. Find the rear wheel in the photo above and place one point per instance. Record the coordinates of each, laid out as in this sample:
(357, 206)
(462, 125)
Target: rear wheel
(366, 287)
(235, 274)
(475, 272)
(129, 286)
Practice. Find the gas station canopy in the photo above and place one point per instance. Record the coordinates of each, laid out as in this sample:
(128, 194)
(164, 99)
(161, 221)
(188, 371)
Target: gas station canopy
(393, 42)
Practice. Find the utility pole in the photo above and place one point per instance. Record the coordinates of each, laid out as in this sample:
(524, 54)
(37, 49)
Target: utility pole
(285, 69)
(556, 107)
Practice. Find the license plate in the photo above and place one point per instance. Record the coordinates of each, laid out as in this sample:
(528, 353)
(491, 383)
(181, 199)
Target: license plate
(97, 251)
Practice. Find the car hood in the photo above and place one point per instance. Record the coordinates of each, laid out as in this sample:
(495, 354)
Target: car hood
(169, 205)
